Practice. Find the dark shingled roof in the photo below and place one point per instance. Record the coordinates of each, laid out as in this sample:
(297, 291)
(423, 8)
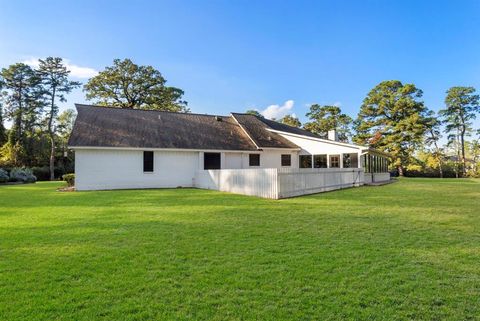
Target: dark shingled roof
(255, 127)
(115, 127)
(288, 129)
(97, 126)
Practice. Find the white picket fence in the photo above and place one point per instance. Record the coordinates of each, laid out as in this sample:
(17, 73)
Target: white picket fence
(279, 183)
(295, 182)
(260, 182)
(376, 177)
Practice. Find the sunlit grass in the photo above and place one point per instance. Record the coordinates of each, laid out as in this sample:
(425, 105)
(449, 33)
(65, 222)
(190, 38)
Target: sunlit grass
(409, 250)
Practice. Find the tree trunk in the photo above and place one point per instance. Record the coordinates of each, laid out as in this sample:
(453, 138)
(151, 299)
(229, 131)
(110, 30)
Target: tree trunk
(439, 158)
(400, 171)
(52, 136)
(440, 170)
(52, 157)
(462, 145)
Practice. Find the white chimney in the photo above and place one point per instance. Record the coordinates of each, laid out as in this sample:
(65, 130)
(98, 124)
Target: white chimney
(332, 135)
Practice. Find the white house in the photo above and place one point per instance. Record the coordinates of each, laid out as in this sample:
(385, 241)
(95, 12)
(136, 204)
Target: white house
(126, 148)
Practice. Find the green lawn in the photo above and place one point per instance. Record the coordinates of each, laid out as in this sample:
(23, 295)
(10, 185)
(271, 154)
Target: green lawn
(405, 251)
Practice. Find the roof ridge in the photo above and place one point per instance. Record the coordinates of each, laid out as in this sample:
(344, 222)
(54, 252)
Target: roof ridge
(149, 110)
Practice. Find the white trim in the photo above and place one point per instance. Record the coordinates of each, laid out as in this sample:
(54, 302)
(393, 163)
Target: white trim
(173, 149)
(280, 148)
(316, 139)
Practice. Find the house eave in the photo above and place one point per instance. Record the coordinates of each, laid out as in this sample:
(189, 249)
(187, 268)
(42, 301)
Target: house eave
(370, 150)
(317, 139)
(178, 149)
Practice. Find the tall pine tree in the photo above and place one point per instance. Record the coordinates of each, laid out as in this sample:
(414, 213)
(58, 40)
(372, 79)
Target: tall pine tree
(23, 103)
(461, 106)
(3, 131)
(392, 119)
(55, 85)
(432, 138)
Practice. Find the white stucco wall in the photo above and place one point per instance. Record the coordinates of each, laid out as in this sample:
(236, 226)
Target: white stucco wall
(269, 158)
(97, 169)
(100, 169)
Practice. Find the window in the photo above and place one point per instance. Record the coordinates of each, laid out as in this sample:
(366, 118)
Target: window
(354, 160)
(305, 161)
(211, 161)
(347, 161)
(148, 161)
(320, 161)
(254, 159)
(286, 160)
(335, 161)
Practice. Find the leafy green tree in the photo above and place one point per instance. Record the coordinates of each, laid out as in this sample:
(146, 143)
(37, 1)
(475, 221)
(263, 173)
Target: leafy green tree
(461, 106)
(3, 131)
(474, 154)
(392, 119)
(22, 98)
(291, 121)
(127, 85)
(325, 117)
(65, 124)
(64, 129)
(433, 137)
(55, 82)
(254, 112)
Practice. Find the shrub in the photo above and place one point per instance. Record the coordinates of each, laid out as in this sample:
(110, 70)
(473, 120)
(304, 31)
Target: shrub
(42, 173)
(3, 176)
(70, 179)
(24, 175)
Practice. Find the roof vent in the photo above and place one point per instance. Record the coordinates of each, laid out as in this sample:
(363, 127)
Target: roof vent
(218, 118)
(269, 138)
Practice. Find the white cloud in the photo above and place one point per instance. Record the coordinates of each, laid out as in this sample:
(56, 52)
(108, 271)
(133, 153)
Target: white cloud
(75, 71)
(278, 111)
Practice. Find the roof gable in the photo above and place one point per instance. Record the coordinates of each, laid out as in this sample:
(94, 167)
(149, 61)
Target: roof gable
(260, 131)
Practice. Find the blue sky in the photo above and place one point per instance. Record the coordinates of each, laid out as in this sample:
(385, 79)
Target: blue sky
(237, 55)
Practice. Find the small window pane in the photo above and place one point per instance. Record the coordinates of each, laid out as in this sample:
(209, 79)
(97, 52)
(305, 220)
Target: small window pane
(305, 161)
(320, 161)
(334, 161)
(254, 159)
(148, 161)
(287, 160)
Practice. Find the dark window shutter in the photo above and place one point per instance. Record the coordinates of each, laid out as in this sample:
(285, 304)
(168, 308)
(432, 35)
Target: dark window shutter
(286, 160)
(254, 159)
(148, 161)
(211, 161)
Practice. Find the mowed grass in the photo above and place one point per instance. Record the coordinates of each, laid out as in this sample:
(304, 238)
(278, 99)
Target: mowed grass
(405, 251)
